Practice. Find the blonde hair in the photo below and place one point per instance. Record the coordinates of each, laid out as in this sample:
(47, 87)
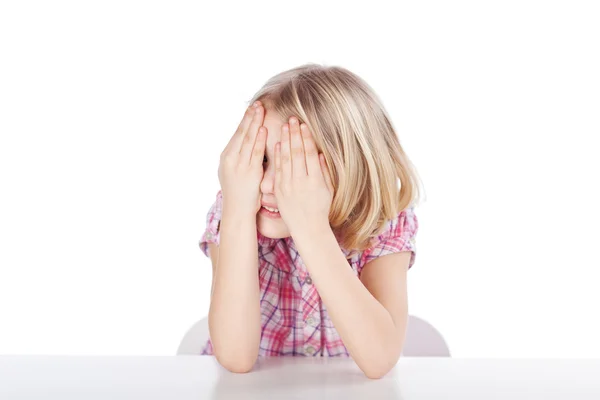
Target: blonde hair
(373, 178)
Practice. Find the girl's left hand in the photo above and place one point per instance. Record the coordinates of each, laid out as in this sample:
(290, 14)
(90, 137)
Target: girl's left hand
(303, 186)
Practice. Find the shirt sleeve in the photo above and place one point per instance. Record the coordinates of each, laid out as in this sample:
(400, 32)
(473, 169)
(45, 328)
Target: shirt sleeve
(399, 235)
(213, 223)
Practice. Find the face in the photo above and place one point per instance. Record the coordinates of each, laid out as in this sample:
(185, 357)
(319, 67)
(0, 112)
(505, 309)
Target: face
(270, 224)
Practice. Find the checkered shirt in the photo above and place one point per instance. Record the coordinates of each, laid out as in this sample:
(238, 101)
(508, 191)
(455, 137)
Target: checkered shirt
(294, 320)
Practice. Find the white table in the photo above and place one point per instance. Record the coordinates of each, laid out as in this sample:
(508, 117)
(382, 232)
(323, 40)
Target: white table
(201, 377)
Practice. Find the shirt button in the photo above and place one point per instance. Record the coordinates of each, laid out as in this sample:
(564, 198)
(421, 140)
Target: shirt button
(310, 351)
(308, 281)
(312, 321)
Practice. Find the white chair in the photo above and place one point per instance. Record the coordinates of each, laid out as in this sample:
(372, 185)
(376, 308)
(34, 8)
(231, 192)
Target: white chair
(422, 339)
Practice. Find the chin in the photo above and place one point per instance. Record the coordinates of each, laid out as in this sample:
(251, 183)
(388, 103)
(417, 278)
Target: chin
(272, 229)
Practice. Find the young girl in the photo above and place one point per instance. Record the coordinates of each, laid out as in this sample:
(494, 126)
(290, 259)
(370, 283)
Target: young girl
(313, 231)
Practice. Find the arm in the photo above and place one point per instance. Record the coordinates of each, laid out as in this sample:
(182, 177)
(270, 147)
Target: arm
(234, 319)
(370, 314)
(214, 258)
(235, 306)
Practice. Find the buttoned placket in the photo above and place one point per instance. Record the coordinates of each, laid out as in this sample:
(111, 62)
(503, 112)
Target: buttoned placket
(312, 334)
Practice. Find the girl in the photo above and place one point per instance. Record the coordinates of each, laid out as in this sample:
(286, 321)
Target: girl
(313, 230)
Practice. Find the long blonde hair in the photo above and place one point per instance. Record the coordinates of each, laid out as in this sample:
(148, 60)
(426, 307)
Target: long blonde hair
(373, 178)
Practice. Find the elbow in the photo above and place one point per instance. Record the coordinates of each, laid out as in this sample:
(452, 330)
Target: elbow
(379, 365)
(239, 364)
(235, 353)
(377, 371)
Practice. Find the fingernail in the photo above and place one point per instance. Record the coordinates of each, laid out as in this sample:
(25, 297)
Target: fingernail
(255, 104)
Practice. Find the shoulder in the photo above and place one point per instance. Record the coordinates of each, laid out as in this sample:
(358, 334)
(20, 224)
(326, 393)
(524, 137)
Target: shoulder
(404, 225)
(397, 235)
(213, 224)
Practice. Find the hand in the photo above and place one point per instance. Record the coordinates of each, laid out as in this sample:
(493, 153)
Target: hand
(241, 164)
(303, 185)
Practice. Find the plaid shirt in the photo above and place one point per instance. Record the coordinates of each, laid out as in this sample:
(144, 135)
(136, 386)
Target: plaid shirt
(294, 320)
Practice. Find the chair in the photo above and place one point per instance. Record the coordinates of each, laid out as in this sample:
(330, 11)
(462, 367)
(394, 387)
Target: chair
(422, 339)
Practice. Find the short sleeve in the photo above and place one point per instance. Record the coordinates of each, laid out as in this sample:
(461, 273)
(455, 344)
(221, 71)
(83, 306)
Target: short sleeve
(213, 223)
(399, 235)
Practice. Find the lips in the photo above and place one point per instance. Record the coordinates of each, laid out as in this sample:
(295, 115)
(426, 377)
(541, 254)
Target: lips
(270, 208)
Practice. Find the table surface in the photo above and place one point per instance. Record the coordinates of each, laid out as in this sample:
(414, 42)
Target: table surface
(201, 377)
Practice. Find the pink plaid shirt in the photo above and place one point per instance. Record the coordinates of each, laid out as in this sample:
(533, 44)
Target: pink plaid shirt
(294, 320)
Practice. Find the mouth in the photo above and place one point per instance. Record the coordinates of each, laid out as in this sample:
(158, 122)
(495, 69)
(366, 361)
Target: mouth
(271, 209)
(269, 212)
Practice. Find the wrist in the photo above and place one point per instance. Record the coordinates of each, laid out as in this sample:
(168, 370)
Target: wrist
(314, 242)
(312, 231)
(235, 212)
(236, 224)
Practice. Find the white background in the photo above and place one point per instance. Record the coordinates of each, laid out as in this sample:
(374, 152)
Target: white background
(113, 115)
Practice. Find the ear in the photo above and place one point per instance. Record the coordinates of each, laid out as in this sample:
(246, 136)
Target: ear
(326, 174)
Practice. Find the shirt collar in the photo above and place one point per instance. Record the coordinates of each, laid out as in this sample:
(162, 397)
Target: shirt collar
(269, 243)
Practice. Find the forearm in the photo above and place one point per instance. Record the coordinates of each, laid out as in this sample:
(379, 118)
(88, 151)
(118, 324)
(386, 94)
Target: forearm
(234, 314)
(364, 325)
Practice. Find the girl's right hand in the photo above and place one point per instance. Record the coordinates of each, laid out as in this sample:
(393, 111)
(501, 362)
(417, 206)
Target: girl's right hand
(241, 164)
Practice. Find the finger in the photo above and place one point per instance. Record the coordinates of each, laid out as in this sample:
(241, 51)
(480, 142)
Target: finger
(258, 152)
(313, 168)
(278, 170)
(250, 136)
(286, 162)
(326, 174)
(235, 142)
(297, 149)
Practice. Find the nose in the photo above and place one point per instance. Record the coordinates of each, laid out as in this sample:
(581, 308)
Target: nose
(267, 185)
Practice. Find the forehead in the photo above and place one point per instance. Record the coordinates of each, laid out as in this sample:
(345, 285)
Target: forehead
(273, 123)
